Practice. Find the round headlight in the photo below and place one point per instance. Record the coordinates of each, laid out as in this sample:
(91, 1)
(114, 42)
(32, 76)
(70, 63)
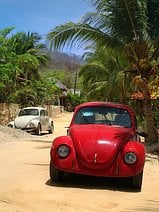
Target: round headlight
(63, 151)
(10, 125)
(130, 158)
(31, 125)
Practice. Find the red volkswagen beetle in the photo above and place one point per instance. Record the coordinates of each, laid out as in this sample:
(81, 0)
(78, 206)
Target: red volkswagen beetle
(102, 140)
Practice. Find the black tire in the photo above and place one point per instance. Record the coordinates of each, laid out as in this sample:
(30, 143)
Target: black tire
(56, 175)
(38, 130)
(10, 125)
(136, 181)
(50, 131)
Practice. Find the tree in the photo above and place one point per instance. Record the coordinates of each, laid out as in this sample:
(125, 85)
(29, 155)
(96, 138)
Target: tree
(125, 26)
(8, 66)
(30, 54)
(37, 92)
(20, 58)
(103, 75)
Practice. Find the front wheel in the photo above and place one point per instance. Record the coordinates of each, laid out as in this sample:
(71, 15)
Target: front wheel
(136, 181)
(38, 130)
(10, 125)
(51, 130)
(56, 175)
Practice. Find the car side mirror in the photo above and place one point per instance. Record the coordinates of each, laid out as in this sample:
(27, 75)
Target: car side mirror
(67, 130)
(142, 133)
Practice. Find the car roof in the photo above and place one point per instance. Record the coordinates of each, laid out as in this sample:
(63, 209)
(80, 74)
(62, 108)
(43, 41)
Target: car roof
(38, 108)
(106, 104)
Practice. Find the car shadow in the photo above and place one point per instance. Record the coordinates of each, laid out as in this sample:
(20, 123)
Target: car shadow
(90, 182)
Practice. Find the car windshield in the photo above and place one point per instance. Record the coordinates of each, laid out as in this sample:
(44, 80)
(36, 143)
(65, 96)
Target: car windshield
(29, 112)
(103, 115)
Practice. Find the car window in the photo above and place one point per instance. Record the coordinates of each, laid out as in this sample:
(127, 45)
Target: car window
(42, 113)
(29, 112)
(103, 115)
(46, 113)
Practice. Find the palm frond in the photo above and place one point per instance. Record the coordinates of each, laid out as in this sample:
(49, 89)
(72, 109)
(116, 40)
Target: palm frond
(100, 5)
(126, 19)
(96, 91)
(82, 34)
(96, 20)
(6, 31)
(93, 72)
(153, 18)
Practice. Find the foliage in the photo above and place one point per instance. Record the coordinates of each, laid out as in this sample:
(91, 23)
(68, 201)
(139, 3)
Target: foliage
(20, 58)
(65, 76)
(36, 93)
(103, 75)
(153, 20)
(124, 26)
(8, 66)
(73, 100)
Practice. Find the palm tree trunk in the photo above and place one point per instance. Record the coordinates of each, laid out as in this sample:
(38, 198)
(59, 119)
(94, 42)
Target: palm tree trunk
(131, 20)
(150, 126)
(123, 96)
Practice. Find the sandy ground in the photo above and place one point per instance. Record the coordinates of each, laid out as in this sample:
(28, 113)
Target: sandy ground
(25, 185)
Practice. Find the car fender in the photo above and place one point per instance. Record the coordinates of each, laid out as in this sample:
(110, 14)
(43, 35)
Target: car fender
(11, 124)
(133, 169)
(50, 122)
(36, 122)
(66, 163)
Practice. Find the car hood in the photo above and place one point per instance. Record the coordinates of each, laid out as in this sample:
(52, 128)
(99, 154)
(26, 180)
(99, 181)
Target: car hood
(22, 121)
(98, 144)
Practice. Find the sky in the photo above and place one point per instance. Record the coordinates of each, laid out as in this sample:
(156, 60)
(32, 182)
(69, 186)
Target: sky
(41, 15)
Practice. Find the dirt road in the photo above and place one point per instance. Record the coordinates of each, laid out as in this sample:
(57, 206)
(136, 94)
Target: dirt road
(25, 184)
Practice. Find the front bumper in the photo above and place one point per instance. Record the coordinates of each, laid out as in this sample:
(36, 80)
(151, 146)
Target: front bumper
(27, 129)
(118, 168)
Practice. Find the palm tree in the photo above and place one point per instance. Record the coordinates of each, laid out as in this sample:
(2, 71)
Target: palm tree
(30, 54)
(103, 75)
(7, 66)
(121, 25)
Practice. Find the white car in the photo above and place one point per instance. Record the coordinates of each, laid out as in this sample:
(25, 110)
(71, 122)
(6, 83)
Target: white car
(33, 119)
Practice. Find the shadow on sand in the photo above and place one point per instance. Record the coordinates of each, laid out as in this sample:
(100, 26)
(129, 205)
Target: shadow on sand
(91, 182)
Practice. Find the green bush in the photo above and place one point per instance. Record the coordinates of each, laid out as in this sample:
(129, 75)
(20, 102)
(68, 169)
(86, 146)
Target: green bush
(73, 100)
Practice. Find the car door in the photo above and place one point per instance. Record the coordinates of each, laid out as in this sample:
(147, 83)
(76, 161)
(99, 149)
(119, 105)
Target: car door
(43, 120)
(47, 119)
